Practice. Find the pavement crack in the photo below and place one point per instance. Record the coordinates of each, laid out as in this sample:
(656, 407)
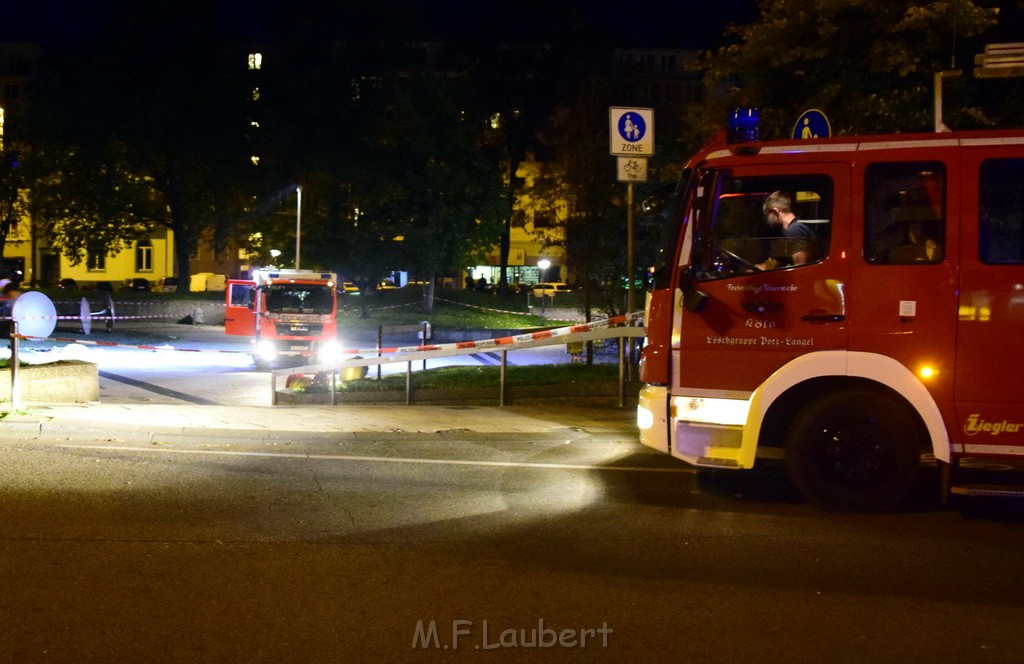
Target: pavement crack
(327, 496)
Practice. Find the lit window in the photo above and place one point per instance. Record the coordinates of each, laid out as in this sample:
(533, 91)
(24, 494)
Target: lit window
(255, 60)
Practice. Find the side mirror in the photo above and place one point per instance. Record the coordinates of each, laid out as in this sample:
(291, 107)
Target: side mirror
(651, 205)
(694, 299)
(657, 201)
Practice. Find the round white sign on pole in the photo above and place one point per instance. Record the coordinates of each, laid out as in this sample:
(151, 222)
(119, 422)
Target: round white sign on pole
(35, 314)
(86, 315)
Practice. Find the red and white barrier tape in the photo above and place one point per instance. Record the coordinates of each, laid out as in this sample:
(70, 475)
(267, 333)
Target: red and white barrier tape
(93, 317)
(499, 342)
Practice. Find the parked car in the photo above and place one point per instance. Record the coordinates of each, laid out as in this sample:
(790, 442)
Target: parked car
(136, 284)
(540, 290)
(349, 288)
(67, 284)
(167, 285)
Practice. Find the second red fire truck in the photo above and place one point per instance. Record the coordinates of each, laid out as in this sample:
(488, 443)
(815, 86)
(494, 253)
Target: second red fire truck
(288, 314)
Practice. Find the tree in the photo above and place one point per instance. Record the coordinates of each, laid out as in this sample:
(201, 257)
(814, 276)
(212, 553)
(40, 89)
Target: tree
(13, 191)
(432, 183)
(868, 63)
(154, 114)
(516, 83)
(91, 205)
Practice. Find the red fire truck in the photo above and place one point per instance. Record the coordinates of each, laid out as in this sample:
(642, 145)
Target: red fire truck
(891, 325)
(286, 313)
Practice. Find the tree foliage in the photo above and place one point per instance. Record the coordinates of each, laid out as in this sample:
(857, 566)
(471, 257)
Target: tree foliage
(149, 117)
(92, 206)
(432, 183)
(13, 192)
(869, 64)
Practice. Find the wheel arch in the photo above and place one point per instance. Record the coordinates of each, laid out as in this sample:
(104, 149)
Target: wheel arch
(774, 403)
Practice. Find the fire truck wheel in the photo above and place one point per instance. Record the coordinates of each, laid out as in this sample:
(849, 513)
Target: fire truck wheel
(853, 450)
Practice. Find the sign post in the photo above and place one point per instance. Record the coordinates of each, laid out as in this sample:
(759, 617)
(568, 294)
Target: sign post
(631, 139)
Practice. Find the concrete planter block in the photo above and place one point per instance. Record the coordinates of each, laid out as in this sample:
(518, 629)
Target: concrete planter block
(69, 381)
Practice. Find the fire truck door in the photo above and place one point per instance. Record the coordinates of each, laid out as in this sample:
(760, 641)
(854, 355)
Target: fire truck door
(903, 282)
(762, 309)
(239, 313)
(990, 321)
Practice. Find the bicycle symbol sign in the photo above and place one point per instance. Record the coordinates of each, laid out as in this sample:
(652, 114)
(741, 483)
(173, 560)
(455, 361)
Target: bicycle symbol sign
(632, 169)
(631, 131)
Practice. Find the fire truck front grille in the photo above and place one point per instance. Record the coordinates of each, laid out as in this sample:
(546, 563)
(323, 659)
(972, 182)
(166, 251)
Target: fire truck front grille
(298, 329)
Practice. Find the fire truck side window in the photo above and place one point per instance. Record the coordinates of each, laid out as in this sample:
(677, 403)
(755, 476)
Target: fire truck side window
(1001, 212)
(738, 238)
(905, 213)
(241, 295)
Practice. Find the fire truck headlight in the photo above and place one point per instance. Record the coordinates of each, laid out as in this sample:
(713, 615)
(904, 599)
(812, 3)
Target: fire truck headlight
(330, 351)
(644, 418)
(265, 350)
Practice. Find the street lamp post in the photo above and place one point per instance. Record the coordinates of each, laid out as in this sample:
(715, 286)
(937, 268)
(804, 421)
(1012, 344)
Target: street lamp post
(543, 264)
(298, 223)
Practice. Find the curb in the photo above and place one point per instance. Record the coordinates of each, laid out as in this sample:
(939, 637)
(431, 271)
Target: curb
(64, 431)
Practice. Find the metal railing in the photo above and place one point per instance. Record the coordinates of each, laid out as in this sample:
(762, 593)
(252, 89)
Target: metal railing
(451, 350)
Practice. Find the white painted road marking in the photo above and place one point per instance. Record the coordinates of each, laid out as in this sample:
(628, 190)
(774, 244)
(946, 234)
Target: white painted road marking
(377, 459)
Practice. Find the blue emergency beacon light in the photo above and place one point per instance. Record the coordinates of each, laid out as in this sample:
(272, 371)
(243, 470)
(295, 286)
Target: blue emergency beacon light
(743, 125)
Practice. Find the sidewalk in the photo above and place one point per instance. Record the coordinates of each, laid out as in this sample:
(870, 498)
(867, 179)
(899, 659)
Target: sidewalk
(130, 413)
(152, 423)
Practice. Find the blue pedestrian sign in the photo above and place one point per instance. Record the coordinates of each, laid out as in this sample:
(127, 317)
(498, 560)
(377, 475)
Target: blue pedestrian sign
(631, 132)
(812, 124)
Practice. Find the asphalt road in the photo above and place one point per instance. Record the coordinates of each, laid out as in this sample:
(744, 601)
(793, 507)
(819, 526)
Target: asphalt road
(398, 549)
(406, 548)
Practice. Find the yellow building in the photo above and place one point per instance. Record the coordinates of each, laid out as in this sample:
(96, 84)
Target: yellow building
(537, 233)
(151, 259)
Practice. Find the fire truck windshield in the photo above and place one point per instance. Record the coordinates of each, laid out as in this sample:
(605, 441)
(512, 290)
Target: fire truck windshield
(660, 226)
(300, 299)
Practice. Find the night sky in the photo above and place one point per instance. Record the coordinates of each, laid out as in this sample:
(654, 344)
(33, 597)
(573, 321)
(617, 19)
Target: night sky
(678, 24)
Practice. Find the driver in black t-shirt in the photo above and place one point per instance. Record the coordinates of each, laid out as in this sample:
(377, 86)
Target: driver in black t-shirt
(800, 238)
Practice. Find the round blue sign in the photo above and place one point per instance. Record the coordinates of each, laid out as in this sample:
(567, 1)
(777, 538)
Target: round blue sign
(632, 127)
(812, 124)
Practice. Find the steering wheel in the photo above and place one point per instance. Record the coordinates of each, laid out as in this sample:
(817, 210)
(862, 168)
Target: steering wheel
(742, 262)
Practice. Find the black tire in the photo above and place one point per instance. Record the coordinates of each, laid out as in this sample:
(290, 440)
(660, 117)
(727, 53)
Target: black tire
(854, 450)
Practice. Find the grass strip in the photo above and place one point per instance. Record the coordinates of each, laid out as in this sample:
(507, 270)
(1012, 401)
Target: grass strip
(476, 377)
